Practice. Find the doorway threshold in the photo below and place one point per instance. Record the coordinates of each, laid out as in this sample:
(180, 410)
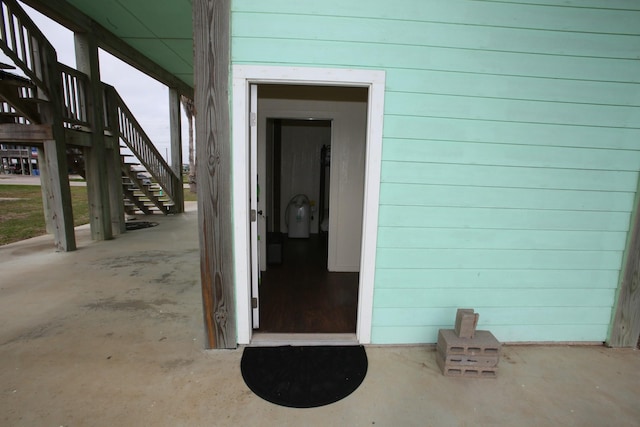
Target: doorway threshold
(268, 339)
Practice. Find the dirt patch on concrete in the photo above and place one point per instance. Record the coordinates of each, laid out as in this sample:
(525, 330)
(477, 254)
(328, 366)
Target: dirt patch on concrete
(151, 308)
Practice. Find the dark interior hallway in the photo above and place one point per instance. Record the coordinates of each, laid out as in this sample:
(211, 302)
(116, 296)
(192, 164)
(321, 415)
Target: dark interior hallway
(299, 295)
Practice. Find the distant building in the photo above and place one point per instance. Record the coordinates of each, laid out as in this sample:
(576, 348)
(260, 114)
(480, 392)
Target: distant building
(16, 159)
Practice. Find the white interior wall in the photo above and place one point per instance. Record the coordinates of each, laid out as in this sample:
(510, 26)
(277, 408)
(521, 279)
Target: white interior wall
(348, 144)
(302, 142)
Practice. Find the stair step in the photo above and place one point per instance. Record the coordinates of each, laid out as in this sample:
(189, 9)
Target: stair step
(34, 100)
(9, 80)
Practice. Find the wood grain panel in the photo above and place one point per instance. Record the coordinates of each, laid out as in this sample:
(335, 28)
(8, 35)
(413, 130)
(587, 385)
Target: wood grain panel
(211, 24)
(625, 326)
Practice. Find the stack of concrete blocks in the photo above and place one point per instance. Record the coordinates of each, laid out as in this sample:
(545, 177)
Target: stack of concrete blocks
(466, 352)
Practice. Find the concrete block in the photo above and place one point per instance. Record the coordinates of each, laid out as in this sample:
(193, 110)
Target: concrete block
(466, 322)
(466, 371)
(453, 360)
(482, 344)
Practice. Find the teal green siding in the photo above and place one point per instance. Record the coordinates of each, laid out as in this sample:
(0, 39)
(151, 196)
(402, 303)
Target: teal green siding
(511, 152)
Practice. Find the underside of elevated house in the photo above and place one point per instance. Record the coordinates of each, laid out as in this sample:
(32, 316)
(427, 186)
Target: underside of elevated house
(499, 162)
(78, 123)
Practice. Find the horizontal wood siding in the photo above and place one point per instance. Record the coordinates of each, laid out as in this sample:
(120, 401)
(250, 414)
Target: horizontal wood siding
(511, 152)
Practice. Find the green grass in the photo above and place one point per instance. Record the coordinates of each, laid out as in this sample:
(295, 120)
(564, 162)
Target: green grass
(23, 217)
(189, 196)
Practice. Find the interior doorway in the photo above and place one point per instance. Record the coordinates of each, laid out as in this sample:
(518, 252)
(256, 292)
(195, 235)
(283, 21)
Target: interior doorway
(309, 262)
(297, 292)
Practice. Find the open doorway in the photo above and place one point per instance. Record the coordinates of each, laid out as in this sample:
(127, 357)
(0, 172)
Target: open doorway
(298, 293)
(310, 152)
(360, 252)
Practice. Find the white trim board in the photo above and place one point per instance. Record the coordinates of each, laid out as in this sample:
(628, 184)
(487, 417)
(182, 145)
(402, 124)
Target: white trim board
(242, 77)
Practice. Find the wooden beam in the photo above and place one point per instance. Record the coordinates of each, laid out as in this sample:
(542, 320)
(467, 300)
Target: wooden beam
(44, 188)
(95, 157)
(55, 179)
(116, 197)
(211, 19)
(25, 134)
(625, 325)
(71, 17)
(114, 164)
(78, 138)
(58, 195)
(175, 123)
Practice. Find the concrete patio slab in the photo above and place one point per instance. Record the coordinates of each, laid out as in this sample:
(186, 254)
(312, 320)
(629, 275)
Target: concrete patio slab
(112, 335)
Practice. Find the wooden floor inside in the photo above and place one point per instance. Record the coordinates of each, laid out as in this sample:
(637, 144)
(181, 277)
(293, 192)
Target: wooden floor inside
(299, 295)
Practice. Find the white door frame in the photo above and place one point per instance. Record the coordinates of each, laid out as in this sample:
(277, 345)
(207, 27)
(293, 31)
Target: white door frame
(243, 76)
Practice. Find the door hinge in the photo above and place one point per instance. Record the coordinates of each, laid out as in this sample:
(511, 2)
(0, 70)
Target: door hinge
(254, 302)
(253, 119)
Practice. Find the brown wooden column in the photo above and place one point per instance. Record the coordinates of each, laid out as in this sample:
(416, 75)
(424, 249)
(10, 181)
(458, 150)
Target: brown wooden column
(44, 183)
(114, 163)
(96, 155)
(625, 324)
(116, 196)
(55, 174)
(211, 22)
(175, 122)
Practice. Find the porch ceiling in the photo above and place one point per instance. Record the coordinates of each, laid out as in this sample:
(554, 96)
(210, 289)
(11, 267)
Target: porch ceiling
(155, 36)
(161, 30)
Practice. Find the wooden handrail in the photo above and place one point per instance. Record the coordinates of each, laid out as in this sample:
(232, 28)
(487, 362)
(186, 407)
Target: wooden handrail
(74, 92)
(6, 108)
(24, 43)
(135, 138)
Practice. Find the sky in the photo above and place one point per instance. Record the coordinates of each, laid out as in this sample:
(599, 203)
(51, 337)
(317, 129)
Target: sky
(147, 99)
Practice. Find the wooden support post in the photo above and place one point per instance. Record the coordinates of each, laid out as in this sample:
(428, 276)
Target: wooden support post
(58, 194)
(96, 155)
(44, 186)
(114, 164)
(625, 323)
(211, 22)
(55, 181)
(116, 196)
(176, 146)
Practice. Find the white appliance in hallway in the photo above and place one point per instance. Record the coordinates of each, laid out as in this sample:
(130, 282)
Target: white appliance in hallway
(298, 217)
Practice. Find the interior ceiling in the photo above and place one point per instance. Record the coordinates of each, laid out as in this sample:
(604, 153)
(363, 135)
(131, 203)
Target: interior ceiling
(162, 30)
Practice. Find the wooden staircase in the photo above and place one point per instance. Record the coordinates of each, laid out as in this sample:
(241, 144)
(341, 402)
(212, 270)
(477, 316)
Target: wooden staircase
(149, 184)
(142, 193)
(19, 103)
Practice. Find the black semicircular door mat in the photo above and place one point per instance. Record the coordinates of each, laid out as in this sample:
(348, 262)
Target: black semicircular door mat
(304, 376)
